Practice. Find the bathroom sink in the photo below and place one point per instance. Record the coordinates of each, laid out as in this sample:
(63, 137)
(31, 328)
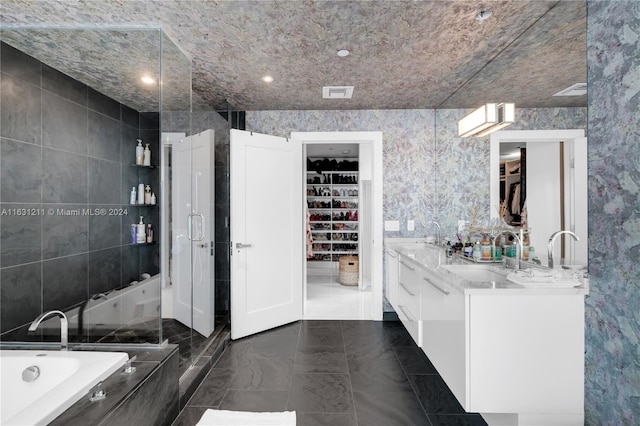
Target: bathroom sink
(475, 273)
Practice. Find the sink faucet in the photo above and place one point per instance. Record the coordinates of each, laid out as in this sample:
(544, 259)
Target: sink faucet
(552, 239)
(518, 244)
(64, 327)
(433, 222)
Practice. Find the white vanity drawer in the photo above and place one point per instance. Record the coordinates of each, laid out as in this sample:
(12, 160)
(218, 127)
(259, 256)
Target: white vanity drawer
(410, 323)
(409, 287)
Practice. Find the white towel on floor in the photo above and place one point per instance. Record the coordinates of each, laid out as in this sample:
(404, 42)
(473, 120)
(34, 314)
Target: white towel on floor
(245, 418)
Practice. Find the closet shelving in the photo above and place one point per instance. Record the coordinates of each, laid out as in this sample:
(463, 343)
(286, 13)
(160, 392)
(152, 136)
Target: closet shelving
(332, 198)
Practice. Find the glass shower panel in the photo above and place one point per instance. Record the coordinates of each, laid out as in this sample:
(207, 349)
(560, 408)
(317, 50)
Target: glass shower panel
(73, 105)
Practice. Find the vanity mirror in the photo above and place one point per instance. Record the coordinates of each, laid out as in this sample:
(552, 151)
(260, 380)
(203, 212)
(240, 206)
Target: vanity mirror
(556, 188)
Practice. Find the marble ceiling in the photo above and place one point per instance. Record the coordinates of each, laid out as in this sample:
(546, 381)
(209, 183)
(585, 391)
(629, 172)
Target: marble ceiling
(404, 54)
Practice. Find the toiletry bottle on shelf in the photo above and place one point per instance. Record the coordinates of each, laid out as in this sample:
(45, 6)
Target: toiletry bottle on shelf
(139, 153)
(477, 253)
(141, 193)
(153, 199)
(140, 235)
(133, 198)
(147, 156)
(134, 233)
(149, 234)
(147, 194)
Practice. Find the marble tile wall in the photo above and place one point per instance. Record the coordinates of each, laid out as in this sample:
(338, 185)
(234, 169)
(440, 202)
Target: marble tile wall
(429, 173)
(64, 148)
(612, 332)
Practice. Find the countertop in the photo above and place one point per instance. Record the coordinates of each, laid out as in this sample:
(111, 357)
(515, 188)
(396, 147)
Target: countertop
(432, 259)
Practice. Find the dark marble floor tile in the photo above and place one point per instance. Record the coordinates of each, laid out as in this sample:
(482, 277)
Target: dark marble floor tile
(377, 371)
(325, 419)
(327, 359)
(414, 361)
(258, 372)
(434, 394)
(274, 346)
(457, 420)
(320, 336)
(398, 336)
(254, 400)
(320, 393)
(334, 325)
(234, 355)
(212, 389)
(383, 408)
(189, 416)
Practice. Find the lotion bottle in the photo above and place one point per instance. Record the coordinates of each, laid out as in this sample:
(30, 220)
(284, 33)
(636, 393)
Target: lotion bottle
(149, 234)
(140, 235)
(153, 199)
(133, 198)
(147, 156)
(139, 153)
(141, 193)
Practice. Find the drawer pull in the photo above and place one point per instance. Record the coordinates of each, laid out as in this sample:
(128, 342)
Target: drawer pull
(408, 267)
(390, 253)
(406, 289)
(437, 287)
(406, 314)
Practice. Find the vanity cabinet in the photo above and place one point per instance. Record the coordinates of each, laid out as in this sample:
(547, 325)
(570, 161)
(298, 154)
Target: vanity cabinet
(408, 308)
(512, 357)
(392, 266)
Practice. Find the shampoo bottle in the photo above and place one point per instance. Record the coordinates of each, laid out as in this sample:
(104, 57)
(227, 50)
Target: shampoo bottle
(141, 193)
(147, 156)
(149, 234)
(147, 195)
(139, 153)
(133, 198)
(140, 235)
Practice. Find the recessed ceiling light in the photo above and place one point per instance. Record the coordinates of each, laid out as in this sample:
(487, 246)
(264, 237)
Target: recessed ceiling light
(267, 79)
(147, 80)
(483, 15)
(343, 52)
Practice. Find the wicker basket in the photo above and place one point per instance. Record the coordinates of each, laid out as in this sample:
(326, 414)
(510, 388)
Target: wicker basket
(348, 270)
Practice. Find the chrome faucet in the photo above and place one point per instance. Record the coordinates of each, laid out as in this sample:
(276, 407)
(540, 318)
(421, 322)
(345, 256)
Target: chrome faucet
(552, 239)
(518, 245)
(64, 327)
(433, 222)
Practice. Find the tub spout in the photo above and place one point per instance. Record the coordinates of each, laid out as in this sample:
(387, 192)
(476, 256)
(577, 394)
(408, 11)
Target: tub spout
(64, 327)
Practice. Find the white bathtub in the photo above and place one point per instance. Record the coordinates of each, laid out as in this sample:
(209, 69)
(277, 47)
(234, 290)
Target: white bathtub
(65, 377)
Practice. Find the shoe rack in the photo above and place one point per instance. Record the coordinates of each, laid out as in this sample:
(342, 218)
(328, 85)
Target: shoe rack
(332, 198)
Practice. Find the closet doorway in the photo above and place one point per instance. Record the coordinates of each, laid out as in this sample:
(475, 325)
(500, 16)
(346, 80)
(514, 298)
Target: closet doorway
(343, 194)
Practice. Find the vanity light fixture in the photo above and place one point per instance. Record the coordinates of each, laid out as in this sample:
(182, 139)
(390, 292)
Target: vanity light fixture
(486, 119)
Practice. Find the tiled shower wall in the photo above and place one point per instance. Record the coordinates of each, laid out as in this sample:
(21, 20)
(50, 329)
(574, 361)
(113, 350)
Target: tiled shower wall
(612, 385)
(66, 148)
(429, 173)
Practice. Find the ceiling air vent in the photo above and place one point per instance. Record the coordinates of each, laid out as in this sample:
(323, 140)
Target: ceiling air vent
(577, 89)
(337, 92)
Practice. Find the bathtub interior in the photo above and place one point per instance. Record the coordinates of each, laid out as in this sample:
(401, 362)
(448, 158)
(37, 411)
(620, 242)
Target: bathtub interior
(63, 377)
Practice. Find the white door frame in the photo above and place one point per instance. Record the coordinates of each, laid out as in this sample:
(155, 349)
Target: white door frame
(375, 139)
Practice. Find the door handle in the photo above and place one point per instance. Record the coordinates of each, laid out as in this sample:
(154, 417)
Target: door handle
(240, 245)
(190, 226)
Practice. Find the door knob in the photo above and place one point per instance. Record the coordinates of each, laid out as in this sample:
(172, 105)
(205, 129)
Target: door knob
(240, 245)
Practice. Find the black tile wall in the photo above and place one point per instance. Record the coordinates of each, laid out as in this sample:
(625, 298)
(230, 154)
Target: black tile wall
(66, 151)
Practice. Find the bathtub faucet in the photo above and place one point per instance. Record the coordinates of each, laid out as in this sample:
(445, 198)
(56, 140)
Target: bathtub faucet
(64, 327)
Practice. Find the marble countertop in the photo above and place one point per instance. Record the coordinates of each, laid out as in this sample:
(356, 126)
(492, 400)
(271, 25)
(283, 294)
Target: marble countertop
(432, 259)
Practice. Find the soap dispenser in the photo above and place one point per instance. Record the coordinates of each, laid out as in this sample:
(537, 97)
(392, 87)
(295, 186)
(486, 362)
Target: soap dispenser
(141, 237)
(147, 156)
(139, 153)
